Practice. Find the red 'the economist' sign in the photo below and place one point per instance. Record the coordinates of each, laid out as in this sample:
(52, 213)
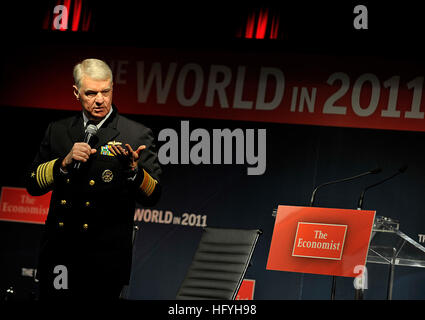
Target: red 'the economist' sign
(17, 205)
(316, 240)
(319, 240)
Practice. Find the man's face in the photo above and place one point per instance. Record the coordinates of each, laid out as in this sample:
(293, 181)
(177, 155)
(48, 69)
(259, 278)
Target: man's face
(95, 97)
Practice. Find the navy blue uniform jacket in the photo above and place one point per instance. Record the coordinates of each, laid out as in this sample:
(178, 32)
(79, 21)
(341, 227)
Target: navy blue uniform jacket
(90, 221)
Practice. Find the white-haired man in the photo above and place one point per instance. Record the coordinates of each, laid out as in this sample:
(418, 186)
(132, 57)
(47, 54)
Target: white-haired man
(87, 246)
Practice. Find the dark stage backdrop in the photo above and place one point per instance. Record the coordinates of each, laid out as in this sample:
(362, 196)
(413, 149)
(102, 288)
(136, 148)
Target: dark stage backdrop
(297, 157)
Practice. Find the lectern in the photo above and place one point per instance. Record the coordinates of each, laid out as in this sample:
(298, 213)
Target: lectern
(390, 246)
(340, 242)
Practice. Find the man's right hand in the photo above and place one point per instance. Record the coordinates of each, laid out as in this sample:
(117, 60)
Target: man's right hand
(80, 151)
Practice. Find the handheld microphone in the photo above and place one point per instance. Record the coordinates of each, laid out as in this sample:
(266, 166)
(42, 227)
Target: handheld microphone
(399, 171)
(313, 195)
(90, 132)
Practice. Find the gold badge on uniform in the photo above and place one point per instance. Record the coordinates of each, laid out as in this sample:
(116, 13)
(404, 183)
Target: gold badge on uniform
(115, 143)
(107, 175)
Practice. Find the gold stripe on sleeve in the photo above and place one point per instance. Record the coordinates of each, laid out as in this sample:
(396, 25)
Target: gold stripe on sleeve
(148, 184)
(44, 174)
(49, 172)
(39, 175)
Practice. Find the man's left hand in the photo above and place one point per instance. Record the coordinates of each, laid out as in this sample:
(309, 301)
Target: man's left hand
(129, 155)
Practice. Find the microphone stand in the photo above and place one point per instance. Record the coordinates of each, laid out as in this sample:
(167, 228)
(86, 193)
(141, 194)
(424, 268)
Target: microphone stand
(359, 293)
(360, 202)
(313, 195)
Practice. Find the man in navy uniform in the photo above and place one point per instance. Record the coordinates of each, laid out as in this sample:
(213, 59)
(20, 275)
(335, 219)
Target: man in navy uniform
(86, 249)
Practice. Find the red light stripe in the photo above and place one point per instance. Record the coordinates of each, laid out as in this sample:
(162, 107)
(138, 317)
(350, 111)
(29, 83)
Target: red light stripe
(274, 27)
(46, 20)
(249, 32)
(76, 15)
(262, 24)
(86, 20)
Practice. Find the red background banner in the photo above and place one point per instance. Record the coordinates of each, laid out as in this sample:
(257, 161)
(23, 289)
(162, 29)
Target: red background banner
(362, 92)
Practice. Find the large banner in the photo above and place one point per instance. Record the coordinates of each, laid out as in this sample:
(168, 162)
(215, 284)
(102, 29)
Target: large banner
(361, 92)
(187, 88)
